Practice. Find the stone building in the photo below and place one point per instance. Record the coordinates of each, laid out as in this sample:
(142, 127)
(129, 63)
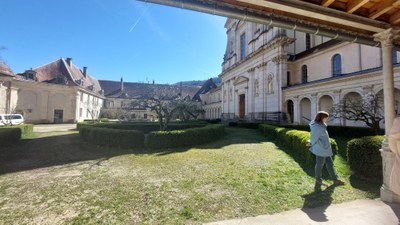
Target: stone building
(210, 97)
(273, 74)
(120, 95)
(57, 92)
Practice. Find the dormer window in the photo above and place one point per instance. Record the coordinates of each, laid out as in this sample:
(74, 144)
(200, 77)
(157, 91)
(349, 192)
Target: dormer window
(30, 75)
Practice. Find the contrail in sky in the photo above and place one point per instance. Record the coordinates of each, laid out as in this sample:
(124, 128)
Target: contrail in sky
(140, 17)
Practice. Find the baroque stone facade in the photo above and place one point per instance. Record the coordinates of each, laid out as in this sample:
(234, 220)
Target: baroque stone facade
(273, 74)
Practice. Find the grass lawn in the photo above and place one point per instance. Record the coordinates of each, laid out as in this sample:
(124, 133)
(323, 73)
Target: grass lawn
(55, 178)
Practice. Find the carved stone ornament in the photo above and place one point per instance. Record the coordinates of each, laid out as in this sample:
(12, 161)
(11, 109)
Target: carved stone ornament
(386, 37)
(280, 59)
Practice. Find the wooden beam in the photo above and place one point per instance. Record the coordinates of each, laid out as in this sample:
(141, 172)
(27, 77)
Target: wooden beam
(380, 8)
(302, 10)
(353, 5)
(326, 3)
(395, 18)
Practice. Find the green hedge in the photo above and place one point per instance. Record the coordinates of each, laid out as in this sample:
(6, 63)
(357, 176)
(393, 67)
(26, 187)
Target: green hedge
(295, 141)
(112, 137)
(9, 136)
(188, 137)
(364, 157)
(25, 128)
(352, 132)
(143, 127)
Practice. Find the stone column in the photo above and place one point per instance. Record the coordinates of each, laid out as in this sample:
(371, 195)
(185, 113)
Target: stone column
(296, 110)
(336, 101)
(386, 39)
(314, 106)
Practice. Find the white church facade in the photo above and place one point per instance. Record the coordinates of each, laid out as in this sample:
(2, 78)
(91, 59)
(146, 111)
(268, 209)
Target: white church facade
(273, 74)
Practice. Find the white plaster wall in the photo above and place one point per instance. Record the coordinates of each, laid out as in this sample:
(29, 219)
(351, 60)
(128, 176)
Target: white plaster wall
(3, 97)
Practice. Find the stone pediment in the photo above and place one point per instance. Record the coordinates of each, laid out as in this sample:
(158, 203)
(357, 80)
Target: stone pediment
(240, 80)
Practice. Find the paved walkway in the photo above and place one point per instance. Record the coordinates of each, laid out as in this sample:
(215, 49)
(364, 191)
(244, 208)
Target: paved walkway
(53, 127)
(359, 212)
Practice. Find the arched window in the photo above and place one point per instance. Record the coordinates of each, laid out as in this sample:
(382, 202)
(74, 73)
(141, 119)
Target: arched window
(308, 41)
(336, 65)
(304, 74)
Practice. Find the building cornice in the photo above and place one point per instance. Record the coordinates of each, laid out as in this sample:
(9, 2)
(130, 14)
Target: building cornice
(276, 42)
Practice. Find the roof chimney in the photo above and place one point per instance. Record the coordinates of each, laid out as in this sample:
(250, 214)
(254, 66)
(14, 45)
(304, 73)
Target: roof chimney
(69, 61)
(122, 84)
(84, 71)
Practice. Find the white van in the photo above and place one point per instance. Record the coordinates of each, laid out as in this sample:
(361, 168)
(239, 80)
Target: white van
(11, 119)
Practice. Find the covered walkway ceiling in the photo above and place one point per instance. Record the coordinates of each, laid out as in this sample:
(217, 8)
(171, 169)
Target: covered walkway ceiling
(348, 20)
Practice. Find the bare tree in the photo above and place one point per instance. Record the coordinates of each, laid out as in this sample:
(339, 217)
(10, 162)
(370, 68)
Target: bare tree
(187, 109)
(93, 107)
(162, 101)
(368, 110)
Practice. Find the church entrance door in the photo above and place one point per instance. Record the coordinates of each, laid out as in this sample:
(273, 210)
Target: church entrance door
(242, 108)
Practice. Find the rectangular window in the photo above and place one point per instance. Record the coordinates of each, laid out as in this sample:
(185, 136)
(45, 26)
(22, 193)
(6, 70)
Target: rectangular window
(145, 116)
(242, 46)
(80, 112)
(288, 79)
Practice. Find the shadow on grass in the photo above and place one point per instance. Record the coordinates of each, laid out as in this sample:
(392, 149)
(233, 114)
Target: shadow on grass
(316, 203)
(372, 186)
(342, 145)
(70, 148)
(51, 151)
(232, 136)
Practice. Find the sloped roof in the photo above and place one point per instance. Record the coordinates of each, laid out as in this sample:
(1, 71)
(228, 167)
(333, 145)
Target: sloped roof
(112, 89)
(72, 73)
(5, 70)
(207, 86)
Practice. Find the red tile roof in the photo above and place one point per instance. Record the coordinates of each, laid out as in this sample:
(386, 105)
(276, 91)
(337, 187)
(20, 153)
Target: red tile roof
(72, 73)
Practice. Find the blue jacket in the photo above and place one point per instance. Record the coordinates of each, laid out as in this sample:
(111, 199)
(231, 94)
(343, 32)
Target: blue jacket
(319, 140)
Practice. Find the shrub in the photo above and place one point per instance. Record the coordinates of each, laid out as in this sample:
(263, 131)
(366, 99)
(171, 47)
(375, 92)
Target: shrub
(143, 127)
(112, 137)
(25, 128)
(364, 157)
(104, 120)
(294, 141)
(9, 136)
(352, 132)
(188, 137)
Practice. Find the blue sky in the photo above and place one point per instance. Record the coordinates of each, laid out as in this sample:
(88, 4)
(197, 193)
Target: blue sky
(138, 41)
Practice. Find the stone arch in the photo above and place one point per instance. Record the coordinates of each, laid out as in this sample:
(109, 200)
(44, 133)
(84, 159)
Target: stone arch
(290, 110)
(352, 96)
(305, 110)
(396, 99)
(325, 103)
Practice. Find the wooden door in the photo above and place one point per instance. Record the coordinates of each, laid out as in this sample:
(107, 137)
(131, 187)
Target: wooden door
(242, 106)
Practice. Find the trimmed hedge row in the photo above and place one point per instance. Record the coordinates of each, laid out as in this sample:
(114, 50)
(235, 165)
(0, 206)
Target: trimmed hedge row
(25, 128)
(9, 136)
(188, 137)
(143, 127)
(364, 157)
(295, 140)
(12, 134)
(112, 137)
(353, 132)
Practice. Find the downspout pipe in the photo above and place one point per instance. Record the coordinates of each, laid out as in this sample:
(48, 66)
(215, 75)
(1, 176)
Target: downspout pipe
(268, 19)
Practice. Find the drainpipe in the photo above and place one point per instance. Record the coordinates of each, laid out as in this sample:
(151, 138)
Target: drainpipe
(268, 19)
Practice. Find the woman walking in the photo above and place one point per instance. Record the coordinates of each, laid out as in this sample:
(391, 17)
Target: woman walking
(320, 146)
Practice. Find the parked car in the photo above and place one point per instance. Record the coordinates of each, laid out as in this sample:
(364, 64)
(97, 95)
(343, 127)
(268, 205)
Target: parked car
(11, 119)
